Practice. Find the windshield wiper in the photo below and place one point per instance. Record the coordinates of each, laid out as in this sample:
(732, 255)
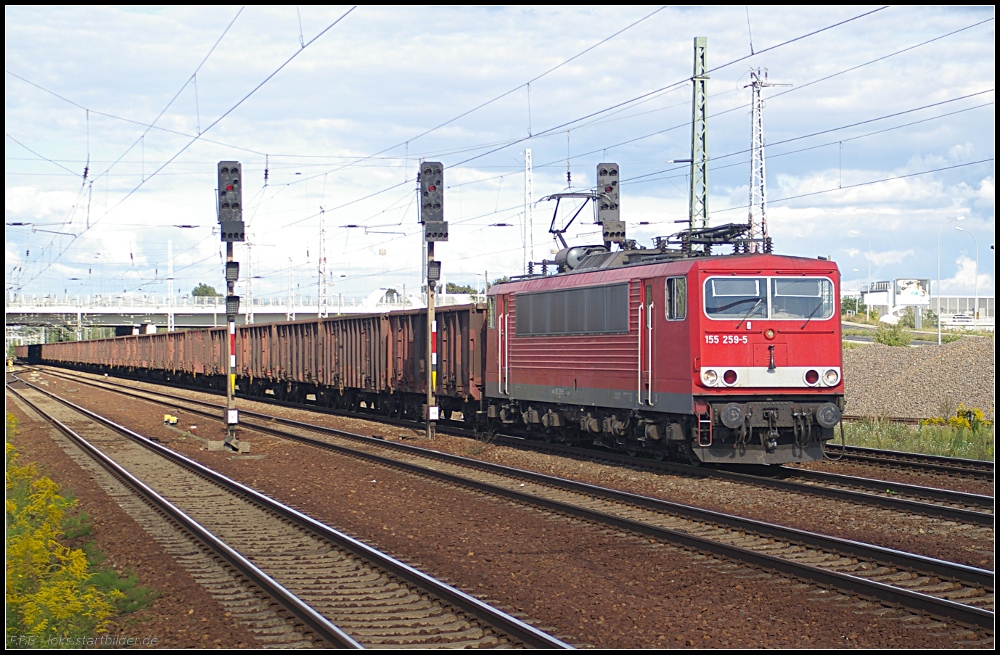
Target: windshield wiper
(747, 315)
(811, 314)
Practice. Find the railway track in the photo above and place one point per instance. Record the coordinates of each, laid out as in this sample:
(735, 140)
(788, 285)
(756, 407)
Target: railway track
(885, 419)
(973, 468)
(957, 506)
(341, 591)
(923, 584)
(980, 507)
(974, 509)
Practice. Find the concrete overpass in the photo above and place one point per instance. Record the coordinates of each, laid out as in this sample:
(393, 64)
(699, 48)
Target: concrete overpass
(145, 313)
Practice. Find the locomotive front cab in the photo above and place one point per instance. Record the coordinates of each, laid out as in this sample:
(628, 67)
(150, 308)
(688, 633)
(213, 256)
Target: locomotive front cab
(768, 365)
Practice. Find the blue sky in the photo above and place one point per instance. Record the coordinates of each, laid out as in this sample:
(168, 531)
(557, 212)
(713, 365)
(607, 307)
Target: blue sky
(886, 131)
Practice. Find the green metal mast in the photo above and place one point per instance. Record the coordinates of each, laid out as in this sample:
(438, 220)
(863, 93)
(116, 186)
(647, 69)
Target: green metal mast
(699, 136)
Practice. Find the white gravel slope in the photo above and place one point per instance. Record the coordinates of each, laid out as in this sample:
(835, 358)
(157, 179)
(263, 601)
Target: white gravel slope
(919, 382)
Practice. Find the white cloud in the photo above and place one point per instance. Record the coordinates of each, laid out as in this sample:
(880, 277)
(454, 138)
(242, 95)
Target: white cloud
(888, 257)
(965, 278)
(27, 203)
(961, 152)
(986, 192)
(387, 75)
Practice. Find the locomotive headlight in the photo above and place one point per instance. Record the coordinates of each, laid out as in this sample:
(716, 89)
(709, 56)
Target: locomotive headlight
(831, 377)
(769, 334)
(710, 377)
(828, 415)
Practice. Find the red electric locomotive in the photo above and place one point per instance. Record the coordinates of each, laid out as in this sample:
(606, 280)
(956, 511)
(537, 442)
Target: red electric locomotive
(733, 359)
(669, 352)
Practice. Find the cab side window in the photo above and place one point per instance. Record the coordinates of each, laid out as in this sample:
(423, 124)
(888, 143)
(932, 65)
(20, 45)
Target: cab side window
(675, 294)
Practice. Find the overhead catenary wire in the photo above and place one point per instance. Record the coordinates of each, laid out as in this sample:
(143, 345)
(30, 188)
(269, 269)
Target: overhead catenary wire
(352, 202)
(209, 127)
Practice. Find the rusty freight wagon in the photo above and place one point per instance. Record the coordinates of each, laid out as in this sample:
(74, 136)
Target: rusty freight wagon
(376, 362)
(371, 361)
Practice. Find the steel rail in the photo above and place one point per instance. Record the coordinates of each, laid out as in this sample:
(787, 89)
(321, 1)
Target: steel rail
(934, 463)
(854, 584)
(890, 487)
(883, 592)
(321, 626)
(513, 627)
(879, 499)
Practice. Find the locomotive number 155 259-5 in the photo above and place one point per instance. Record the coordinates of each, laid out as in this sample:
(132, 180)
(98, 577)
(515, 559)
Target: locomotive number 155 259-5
(731, 339)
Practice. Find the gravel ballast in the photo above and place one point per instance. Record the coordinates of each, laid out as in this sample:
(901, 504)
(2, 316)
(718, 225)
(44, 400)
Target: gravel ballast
(920, 382)
(592, 586)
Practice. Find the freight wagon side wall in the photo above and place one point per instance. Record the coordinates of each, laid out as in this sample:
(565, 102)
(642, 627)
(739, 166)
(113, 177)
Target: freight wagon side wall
(383, 353)
(460, 347)
(195, 352)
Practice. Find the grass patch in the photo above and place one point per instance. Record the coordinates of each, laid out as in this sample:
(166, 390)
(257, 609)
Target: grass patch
(851, 345)
(924, 334)
(944, 440)
(124, 589)
(76, 526)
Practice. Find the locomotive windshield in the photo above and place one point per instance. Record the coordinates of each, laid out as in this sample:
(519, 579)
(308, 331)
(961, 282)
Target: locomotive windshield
(776, 298)
(801, 298)
(736, 297)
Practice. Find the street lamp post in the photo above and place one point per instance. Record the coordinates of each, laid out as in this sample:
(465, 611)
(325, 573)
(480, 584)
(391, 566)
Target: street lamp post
(857, 233)
(958, 218)
(975, 305)
(802, 236)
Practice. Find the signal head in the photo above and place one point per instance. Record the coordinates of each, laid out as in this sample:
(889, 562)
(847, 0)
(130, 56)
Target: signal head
(431, 192)
(230, 191)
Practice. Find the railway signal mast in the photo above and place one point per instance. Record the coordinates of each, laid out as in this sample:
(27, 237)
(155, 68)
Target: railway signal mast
(231, 230)
(758, 180)
(435, 229)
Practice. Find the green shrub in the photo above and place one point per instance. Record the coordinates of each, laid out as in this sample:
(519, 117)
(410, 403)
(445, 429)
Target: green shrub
(968, 434)
(892, 335)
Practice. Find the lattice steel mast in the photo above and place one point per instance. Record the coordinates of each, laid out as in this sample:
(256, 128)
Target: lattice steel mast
(170, 286)
(248, 317)
(758, 179)
(699, 137)
(324, 309)
(529, 204)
